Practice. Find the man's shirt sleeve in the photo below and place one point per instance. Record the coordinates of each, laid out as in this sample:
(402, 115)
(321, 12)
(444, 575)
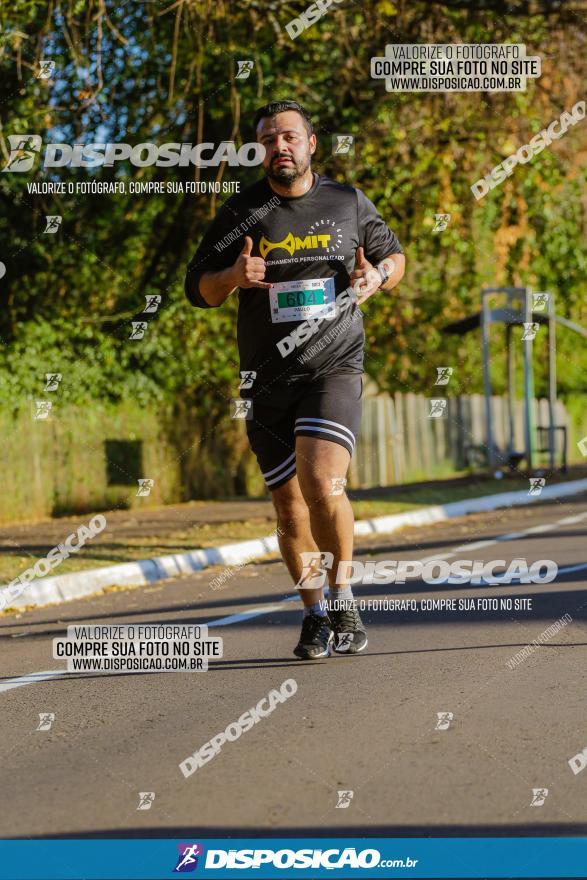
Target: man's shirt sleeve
(375, 236)
(213, 254)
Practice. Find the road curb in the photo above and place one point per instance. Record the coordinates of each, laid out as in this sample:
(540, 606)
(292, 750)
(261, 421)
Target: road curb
(64, 588)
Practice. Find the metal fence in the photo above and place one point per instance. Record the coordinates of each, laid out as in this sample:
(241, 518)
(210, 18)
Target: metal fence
(400, 441)
(90, 458)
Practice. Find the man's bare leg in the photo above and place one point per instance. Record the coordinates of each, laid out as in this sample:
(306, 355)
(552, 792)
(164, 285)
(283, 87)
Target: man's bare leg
(295, 537)
(295, 534)
(321, 464)
(321, 468)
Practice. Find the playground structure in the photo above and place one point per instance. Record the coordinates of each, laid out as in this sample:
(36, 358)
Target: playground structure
(529, 309)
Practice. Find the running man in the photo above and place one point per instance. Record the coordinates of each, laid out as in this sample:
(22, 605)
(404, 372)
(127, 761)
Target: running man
(304, 253)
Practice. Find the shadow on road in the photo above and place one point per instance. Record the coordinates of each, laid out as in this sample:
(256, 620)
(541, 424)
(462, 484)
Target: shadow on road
(547, 605)
(201, 830)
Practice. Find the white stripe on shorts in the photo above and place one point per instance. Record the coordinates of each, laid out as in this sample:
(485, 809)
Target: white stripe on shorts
(286, 473)
(280, 466)
(316, 422)
(316, 429)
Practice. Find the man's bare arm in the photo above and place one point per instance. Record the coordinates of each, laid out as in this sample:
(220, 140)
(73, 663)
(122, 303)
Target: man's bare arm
(215, 287)
(246, 272)
(366, 278)
(395, 266)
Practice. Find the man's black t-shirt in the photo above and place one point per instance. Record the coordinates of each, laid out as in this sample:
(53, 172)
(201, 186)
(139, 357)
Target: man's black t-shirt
(306, 239)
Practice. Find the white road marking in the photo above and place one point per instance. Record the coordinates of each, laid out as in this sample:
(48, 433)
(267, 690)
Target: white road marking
(571, 520)
(253, 612)
(477, 545)
(510, 536)
(30, 679)
(33, 677)
(437, 557)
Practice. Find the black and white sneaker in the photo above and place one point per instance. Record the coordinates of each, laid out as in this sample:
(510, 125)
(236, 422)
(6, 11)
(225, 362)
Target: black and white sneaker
(315, 638)
(350, 636)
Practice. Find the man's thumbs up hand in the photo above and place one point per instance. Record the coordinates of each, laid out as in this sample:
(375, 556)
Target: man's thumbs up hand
(365, 279)
(360, 259)
(249, 271)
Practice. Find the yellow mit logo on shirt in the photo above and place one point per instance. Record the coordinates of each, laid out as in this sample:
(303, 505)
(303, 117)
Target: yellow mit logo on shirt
(292, 243)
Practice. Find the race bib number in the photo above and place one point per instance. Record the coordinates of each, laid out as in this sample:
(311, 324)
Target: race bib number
(300, 300)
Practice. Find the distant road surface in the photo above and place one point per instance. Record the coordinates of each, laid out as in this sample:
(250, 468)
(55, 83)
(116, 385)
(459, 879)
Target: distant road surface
(365, 724)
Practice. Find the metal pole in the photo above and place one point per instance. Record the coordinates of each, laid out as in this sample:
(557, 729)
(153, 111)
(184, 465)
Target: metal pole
(485, 320)
(511, 355)
(551, 381)
(528, 381)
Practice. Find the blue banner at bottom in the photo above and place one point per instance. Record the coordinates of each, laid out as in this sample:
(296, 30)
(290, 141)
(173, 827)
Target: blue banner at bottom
(454, 857)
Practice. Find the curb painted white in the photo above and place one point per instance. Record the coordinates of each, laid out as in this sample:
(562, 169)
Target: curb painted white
(62, 588)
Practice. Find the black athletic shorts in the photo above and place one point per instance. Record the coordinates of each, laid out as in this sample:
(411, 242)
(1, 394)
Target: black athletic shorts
(328, 408)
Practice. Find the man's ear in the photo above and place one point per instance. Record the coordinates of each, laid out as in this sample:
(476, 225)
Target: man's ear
(313, 143)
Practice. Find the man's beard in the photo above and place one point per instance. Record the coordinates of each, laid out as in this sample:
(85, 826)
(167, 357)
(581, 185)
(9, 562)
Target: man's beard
(288, 174)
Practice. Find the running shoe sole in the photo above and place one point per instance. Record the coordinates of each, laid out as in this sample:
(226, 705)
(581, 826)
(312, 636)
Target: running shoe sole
(326, 653)
(347, 648)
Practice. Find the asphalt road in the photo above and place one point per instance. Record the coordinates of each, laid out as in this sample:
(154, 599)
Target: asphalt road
(366, 724)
